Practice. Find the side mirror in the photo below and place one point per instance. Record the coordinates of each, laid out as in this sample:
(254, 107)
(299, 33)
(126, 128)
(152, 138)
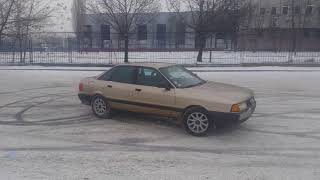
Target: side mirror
(195, 74)
(168, 87)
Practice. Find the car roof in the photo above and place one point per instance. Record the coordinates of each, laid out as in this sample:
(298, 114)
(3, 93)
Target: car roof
(152, 65)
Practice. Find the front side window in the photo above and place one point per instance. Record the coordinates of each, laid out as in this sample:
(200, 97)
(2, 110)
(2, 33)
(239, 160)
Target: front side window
(150, 77)
(123, 74)
(181, 77)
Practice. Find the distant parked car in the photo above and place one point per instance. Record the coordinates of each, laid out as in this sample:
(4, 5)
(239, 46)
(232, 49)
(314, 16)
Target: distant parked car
(167, 90)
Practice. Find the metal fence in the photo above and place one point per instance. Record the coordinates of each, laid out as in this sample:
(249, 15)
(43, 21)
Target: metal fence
(70, 49)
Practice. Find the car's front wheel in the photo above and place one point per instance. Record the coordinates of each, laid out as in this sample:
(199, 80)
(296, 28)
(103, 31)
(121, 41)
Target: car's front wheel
(101, 107)
(197, 121)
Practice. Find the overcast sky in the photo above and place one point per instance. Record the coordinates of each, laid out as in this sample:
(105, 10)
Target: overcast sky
(63, 19)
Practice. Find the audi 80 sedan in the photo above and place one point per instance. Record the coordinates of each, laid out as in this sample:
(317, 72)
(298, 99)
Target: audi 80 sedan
(167, 90)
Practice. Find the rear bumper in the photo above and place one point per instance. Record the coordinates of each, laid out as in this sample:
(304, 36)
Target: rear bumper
(85, 99)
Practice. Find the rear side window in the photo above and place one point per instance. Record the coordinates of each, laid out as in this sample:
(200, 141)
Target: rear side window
(124, 74)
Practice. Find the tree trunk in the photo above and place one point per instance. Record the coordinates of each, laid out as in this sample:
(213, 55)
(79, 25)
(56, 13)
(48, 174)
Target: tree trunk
(294, 41)
(126, 49)
(20, 50)
(293, 26)
(200, 54)
(25, 49)
(201, 46)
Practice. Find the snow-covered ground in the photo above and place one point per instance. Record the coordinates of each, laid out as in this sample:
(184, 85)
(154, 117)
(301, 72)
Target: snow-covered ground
(45, 133)
(217, 57)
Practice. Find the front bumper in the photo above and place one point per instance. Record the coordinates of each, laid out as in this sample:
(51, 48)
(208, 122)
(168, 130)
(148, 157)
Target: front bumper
(234, 117)
(231, 117)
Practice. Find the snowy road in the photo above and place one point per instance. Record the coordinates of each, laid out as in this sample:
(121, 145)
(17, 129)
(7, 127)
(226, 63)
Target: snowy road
(45, 133)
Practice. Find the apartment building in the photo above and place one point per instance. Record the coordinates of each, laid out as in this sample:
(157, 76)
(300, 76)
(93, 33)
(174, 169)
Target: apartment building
(271, 25)
(281, 25)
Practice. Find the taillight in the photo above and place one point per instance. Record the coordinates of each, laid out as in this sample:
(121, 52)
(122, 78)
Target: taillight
(81, 87)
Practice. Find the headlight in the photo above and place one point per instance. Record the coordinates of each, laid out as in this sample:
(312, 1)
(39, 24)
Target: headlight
(236, 108)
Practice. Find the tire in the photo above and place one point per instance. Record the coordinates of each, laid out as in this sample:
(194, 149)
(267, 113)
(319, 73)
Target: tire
(100, 107)
(197, 122)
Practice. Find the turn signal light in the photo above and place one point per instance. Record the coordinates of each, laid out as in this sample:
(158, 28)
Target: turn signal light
(81, 87)
(235, 108)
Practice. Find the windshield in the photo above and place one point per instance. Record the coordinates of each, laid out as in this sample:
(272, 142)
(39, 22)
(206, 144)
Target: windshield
(181, 77)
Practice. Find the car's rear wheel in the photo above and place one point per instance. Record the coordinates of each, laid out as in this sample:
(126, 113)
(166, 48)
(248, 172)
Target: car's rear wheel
(197, 121)
(101, 107)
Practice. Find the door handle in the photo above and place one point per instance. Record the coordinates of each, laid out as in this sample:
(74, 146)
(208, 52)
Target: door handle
(109, 86)
(138, 90)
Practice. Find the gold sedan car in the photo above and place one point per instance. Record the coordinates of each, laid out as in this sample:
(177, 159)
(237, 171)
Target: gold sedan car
(167, 90)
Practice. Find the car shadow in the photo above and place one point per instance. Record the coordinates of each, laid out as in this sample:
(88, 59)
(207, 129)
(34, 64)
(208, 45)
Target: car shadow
(225, 128)
(137, 118)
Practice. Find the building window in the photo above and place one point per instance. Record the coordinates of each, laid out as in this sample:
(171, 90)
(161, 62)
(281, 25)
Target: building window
(122, 36)
(161, 32)
(285, 10)
(87, 31)
(318, 34)
(274, 11)
(142, 32)
(262, 11)
(87, 36)
(274, 23)
(309, 10)
(105, 32)
(200, 42)
(180, 33)
(297, 10)
(306, 33)
(260, 33)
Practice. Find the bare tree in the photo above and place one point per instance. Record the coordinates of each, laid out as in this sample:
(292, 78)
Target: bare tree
(124, 15)
(78, 9)
(295, 24)
(6, 14)
(30, 15)
(205, 17)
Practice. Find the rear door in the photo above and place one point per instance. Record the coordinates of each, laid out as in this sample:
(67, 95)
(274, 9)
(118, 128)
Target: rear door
(152, 94)
(118, 84)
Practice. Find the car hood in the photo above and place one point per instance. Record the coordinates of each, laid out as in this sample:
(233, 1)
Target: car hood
(221, 92)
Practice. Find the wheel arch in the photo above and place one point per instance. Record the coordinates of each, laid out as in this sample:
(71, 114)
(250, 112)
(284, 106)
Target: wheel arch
(194, 106)
(96, 94)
